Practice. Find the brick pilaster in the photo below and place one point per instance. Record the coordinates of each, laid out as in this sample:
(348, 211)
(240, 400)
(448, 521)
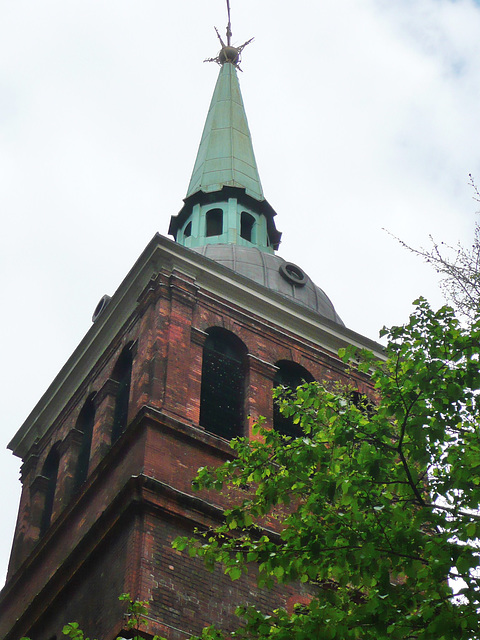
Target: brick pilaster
(102, 429)
(259, 391)
(183, 298)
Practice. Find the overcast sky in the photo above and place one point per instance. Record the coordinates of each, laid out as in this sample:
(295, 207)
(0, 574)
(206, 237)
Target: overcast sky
(365, 116)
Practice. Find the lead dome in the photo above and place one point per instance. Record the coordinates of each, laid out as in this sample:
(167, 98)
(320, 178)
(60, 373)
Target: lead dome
(265, 269)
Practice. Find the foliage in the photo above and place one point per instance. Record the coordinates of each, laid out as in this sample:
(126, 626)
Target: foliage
(459, 268)
(374, 509)
(136, 613)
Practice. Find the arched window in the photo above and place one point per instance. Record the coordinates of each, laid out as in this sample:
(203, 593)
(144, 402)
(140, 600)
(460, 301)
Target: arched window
(223, 384)
(214, 222)
(85, 422)
(50, 472)
(187, 232)
(123, 375)
(289, 375)
(247, 223)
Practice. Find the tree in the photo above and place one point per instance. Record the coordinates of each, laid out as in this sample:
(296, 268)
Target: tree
(377, 507)
(459, 268)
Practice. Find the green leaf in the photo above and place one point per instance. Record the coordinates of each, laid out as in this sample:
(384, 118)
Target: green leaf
(234, 572)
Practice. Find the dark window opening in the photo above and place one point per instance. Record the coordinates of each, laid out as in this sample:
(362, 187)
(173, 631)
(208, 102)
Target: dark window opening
(187, 232)
(363, 403)
(289, 375)
(214, 222)
(50, 472)
(223, 384)
(122, 374)
(247, 222)
(85, 422)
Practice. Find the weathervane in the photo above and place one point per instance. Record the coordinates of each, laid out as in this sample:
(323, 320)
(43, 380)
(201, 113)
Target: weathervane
(228, 53)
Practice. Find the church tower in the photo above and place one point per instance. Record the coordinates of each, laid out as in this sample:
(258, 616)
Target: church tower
(182, 358)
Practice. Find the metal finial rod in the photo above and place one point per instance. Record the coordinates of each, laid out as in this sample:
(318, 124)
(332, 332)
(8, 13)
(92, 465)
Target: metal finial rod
(229, 25)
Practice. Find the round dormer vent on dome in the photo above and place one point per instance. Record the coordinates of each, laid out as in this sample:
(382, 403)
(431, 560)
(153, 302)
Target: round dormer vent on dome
(293, 274)
(100, 308)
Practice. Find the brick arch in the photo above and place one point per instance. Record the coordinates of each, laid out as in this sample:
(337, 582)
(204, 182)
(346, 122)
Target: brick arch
(248, 336)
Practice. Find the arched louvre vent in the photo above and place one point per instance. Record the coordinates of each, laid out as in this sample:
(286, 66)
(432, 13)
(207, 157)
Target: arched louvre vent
(223, 384)
(214, 222)
(247, 223)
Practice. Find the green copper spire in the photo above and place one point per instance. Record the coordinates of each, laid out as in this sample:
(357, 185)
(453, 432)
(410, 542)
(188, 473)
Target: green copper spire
(225, 156)
(225, 202)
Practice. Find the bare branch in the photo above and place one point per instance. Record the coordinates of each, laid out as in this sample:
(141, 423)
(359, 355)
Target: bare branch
(459, 267)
